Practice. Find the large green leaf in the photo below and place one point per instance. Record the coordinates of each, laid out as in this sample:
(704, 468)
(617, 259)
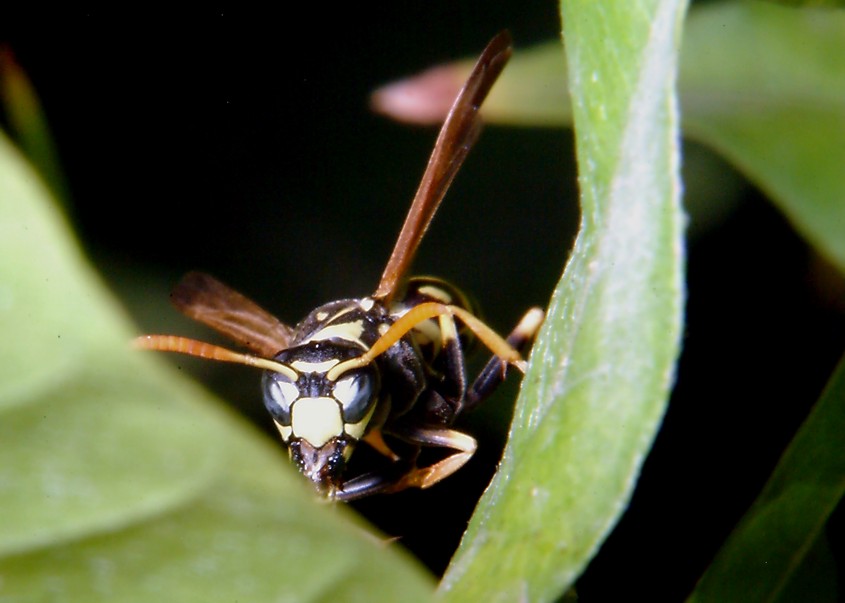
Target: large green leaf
(770, 543)
(602, 370)
(121, 481)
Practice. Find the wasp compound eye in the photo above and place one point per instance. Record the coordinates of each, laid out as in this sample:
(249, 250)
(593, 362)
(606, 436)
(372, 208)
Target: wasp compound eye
(356, 393)
(279, 394)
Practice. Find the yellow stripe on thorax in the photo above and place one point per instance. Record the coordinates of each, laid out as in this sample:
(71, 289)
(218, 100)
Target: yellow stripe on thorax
(347, 331)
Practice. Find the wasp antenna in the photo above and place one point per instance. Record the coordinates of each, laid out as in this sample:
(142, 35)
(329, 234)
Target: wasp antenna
(423, 312)
(201, 349)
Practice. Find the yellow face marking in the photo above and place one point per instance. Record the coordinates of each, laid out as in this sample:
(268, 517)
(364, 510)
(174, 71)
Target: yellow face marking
(366, 304)
(314, 367)
(356, 430)
(436, 293)
(348, 331)
(316, 420)
(284, 431)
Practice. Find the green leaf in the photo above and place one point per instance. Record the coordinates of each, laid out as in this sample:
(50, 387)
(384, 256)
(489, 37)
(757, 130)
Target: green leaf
(26, 118)
(602, 369)
(765, 86)
(120, 480)
(811, 3)
(816, 578)
(532, 90)
(784, 523)
(762, 84)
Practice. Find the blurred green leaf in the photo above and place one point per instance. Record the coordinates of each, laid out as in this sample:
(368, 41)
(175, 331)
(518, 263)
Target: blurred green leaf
(770, 542)
(816, 578)
(762, 84)
(532, 91)
(811, 3)
(26, 118)
(603, 367)
(121, 481)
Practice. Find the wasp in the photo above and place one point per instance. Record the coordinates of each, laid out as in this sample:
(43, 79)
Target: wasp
(391, 364)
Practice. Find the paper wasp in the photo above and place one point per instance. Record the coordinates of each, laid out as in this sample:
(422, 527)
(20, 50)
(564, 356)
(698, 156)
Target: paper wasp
(391, 364)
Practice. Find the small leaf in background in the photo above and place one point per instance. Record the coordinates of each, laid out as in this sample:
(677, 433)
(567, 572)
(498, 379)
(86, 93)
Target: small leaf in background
(602, 369)
(424, 98)
(532, 91)
(120, 480)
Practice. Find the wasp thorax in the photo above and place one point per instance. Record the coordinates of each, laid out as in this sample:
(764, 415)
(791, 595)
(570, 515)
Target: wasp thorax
(321, 418)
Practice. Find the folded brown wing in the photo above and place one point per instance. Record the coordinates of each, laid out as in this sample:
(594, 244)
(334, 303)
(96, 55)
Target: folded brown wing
(207, 300)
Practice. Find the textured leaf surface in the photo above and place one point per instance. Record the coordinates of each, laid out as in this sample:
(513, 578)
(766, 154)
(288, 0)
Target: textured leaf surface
(600, 376)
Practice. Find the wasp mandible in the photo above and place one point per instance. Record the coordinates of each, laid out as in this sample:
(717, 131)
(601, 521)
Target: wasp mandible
(391, 364)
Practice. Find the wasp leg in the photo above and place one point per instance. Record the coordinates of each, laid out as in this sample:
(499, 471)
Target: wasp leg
(404, 475)
(377, 443)
(494, 372)
(424, 477)
(372, 483)
(442, 403)
(452, 360)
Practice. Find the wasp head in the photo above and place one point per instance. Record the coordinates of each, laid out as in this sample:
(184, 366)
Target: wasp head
(319, 414)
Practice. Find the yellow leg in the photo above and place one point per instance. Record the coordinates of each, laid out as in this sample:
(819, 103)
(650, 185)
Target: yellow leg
(376, 441)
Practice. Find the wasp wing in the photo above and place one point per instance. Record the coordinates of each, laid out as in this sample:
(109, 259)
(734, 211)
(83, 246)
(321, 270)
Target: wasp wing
(459, 132)
(207, 300)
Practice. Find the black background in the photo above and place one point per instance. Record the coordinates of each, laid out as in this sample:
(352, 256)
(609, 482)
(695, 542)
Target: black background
(241, 143)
